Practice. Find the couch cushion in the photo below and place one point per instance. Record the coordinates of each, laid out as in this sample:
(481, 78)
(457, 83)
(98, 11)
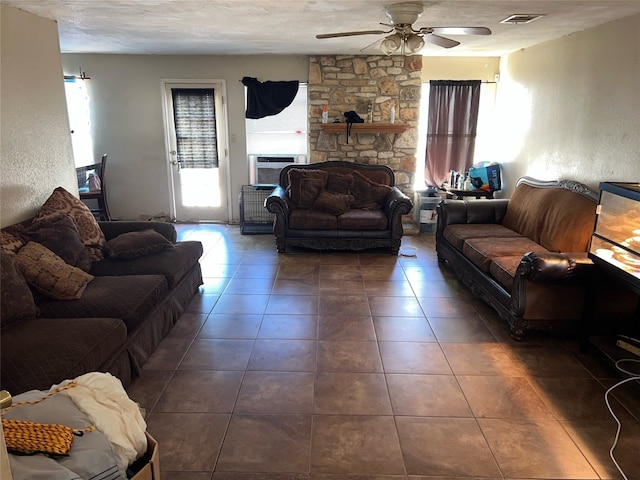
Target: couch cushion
(503, 269)
(40, 352)
(333, 202)
(312, 220)
(62, 203)
(62, 237)
(137, 244)
(173, 263)
(456, 234)
(16, 299)
(368, 195)
(305, 186)
(49, 274)
(482, 250)
(356, 219)
(129, 297)
(558, 219)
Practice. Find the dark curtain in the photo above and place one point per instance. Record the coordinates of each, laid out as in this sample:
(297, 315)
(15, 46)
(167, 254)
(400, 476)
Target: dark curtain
(451, 131)
(268, 98)
(194, 114)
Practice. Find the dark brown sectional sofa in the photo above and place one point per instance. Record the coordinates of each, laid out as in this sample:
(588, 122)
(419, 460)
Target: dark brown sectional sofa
(526, 256)
(338, 205)
(121, 316)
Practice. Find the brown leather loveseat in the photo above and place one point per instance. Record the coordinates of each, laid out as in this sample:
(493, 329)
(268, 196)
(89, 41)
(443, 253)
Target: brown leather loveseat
(338, 205)
(526, 256)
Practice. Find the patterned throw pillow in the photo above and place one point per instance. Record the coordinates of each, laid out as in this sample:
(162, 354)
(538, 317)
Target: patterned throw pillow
(368, 194)
(333, 203)
(340, 183)
(137, 244)
(62, 203)
(11, 239)
(49, 274)
(16, 297)
(305, 186)
(62, 238)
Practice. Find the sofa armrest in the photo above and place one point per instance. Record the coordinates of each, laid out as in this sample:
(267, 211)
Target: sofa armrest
(551, 267)
(474, 211)
(112, 229)
(278, 202)
(397, 203)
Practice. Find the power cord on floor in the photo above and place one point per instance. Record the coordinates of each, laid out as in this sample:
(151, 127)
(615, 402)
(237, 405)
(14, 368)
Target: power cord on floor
(634, 377)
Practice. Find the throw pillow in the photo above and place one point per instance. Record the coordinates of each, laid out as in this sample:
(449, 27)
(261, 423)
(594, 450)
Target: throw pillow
(11, 238)
(16, 299)
(137, 244)
(49, 274)
(305, 186)
(340, 183)
(62, 238)
(333, 203)
(368, 194)
(62, 203)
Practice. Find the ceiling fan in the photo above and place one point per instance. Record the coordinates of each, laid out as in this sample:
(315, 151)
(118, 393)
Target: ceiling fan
(407, 39)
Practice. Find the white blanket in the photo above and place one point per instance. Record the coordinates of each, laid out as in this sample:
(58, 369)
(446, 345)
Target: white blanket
(102, 398)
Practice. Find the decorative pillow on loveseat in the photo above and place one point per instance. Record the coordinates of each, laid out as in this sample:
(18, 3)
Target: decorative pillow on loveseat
(49, 274)
(368, 194)
(340, 183)
(62, 238)
(332, 202)
(137, 244)
(62, 203)
(305, 186)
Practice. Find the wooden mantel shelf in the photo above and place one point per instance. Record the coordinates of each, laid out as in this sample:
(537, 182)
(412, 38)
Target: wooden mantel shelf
(365, 127)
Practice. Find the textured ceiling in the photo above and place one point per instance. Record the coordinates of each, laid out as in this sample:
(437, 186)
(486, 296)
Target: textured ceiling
(234, 27)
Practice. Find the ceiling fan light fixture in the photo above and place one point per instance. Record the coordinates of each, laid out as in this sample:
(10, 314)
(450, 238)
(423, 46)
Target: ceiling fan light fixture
(413, 44)
(391, 44)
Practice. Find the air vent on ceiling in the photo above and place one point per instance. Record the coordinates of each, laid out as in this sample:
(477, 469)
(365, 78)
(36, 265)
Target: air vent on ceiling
(521, 18)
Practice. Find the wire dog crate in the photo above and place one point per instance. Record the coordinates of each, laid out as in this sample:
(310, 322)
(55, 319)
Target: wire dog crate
(254, 217)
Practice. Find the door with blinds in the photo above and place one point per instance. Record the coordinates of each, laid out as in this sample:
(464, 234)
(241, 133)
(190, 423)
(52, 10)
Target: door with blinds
(197, 152)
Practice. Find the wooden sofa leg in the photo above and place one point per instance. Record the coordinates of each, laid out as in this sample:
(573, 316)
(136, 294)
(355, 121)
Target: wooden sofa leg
(517, 329)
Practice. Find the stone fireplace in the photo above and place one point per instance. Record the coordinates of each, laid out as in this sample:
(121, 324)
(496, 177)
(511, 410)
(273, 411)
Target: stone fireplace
(351, 82)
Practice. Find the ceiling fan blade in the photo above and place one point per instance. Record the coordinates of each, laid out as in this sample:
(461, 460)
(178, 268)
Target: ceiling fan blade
(440, 41)
(349, 34)
(460, 30)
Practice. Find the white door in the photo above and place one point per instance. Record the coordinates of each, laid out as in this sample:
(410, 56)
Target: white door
(195, 131)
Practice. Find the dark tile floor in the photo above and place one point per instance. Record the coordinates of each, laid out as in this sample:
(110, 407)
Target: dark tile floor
(365, 365)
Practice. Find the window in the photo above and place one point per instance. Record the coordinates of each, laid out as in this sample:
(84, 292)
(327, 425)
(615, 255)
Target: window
(79, 120)
(285, 132)
(485, 148)
(194, 113)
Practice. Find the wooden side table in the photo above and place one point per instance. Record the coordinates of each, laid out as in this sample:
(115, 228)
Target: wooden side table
(460, 194)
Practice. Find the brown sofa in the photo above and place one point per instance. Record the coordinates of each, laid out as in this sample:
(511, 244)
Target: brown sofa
(526, 256)
(132, 299)
(338, 205)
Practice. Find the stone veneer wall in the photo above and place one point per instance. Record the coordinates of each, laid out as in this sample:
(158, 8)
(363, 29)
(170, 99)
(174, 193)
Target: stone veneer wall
(351, 82)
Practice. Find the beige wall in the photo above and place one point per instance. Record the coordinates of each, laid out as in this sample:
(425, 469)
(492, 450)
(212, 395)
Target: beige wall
(127, 121)
(570, 108)
(35, 138)
(460, 68)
